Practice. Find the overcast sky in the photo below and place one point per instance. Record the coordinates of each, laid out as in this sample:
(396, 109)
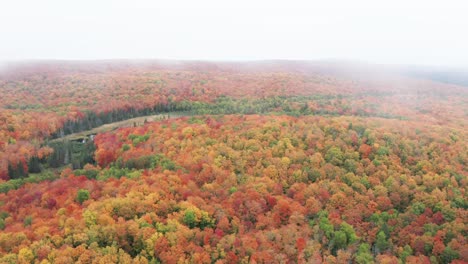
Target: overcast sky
(423, 32)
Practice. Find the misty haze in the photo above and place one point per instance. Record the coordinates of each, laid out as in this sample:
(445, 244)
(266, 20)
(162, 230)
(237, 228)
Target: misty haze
(243, 132)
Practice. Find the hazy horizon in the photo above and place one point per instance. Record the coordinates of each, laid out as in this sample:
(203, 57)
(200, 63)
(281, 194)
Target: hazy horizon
(417, 33)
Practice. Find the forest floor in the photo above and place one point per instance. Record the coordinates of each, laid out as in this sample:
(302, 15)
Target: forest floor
(137, 121)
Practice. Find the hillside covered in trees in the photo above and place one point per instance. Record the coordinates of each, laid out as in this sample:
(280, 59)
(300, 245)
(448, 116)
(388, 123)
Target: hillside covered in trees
(270, 162)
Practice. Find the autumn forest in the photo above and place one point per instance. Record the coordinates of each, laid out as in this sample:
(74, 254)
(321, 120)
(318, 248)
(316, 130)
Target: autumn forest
(231, 162)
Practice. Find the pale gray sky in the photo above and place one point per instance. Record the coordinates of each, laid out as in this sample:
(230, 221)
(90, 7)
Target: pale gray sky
(397, 31)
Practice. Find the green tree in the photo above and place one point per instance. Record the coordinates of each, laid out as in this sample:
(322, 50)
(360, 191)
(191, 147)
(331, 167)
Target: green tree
(194, 217)
(338, 241)
(325, 225)
(34, 165)
(381, 242)
(363, 255)
(27, 220)
(418, 208)
(350, 165)
(334, 156)
(343, 237)
(190, 219)
(407, 251)
(449, 255)
(82, 195)
(348, 229)
(2, 224)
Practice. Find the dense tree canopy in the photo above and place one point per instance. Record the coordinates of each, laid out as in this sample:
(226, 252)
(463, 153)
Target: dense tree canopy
(253, 188)
(39, 99)
(271, 163)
